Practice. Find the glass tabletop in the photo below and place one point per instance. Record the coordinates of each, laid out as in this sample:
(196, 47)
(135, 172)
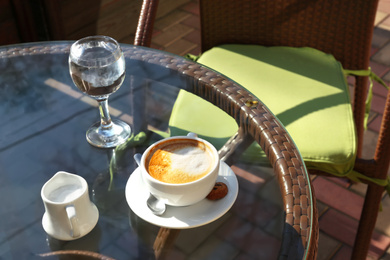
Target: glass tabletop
(44, 120)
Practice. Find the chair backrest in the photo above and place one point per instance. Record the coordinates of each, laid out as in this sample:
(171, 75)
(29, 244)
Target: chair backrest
(343, 28)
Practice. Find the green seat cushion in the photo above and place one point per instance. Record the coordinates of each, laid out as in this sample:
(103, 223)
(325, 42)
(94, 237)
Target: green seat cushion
(305, 88)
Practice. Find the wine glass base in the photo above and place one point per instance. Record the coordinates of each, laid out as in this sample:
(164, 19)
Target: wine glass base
(108, 138)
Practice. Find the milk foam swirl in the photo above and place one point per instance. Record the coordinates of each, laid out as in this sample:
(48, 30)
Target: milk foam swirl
(180, 161)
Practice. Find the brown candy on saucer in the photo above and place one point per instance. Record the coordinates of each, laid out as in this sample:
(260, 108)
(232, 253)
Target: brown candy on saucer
(219, 191)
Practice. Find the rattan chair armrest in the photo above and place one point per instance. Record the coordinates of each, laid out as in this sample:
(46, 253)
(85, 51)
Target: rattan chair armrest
(143, 34)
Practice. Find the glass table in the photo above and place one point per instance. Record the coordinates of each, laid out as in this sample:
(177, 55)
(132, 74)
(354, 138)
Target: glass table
(44, 120)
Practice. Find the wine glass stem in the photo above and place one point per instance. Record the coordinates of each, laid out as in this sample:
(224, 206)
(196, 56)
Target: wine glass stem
(105, 119)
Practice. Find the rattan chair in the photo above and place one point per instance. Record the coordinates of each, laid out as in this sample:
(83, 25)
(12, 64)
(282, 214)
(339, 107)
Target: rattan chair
(343, 29)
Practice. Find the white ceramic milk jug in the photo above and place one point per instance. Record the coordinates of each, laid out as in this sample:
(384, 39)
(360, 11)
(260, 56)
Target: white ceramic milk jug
(69, 212)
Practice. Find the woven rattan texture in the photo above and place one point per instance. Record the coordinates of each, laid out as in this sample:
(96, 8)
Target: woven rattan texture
(75, 254)
(338, 27)
(35, 50)
(148, 10)
(262, 125)
(256, 120)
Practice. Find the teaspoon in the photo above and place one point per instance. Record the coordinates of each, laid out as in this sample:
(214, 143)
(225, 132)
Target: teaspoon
(155, 205)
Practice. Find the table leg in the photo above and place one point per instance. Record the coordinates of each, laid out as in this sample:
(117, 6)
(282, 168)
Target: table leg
(235, 146)
(164, 242)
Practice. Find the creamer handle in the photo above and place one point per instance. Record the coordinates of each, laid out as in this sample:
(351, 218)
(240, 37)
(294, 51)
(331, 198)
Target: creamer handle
(74, 225)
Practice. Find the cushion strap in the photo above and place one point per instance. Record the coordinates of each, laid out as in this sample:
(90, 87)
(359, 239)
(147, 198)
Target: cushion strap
(371, 76)
(192, 57)
(356, 177)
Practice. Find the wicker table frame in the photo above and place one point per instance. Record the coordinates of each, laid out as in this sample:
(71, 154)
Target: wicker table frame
(255, 122)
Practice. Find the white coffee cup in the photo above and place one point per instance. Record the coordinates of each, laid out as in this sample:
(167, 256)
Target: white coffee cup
(69, 212)
(187, 193)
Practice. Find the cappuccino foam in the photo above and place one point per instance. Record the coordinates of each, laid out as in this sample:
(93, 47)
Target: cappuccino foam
(180, 161)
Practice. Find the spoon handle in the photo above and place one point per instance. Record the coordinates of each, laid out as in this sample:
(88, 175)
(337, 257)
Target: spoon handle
(137, 158)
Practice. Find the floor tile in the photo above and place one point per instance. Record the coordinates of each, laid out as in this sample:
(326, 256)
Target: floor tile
(359, 188)
(181, 47)
(243, 256)
(344, 253)
(377, 67)
(386, 77)
(270, 191)
(380, 16)
(380, 37)
(338, 226)
(249, 181)
(190, 239)
(322, 208)
(128, 243)
(192, 7)
(247, 237)
(256, 210)
(195, 51)
(177, 255)
(337, 197)
(192, 21)
(375, 125)
(327, 246)
(170, 36)
(370, 140)
(155, 46)
(343, 182)
(378, 247)
(373, 50)
(386, 256)
(274, 227)
(379, 90)
(267, 250)
(385, 23)
(344, 228)
(167, 6)
(235, 231)
(351, 80)
(114, 251)
(193, 37)
(384, 6)
(382, 222)
(378, 103)
(215, 248)
(383, 55)
(173, 18)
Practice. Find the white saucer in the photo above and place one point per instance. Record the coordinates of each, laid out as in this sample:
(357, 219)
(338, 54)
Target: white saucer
(84, 229)
(195, 215)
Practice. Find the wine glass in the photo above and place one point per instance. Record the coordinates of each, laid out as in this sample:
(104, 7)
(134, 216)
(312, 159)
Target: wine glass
(97, 68)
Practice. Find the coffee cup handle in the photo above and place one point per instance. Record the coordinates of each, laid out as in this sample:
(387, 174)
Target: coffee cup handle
(74, 227)
(192, 135)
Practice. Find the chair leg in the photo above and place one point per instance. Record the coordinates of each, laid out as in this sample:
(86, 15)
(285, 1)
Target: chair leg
(367, 221)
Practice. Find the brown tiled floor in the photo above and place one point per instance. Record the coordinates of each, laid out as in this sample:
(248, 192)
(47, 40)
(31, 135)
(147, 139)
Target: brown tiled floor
(179, 32)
